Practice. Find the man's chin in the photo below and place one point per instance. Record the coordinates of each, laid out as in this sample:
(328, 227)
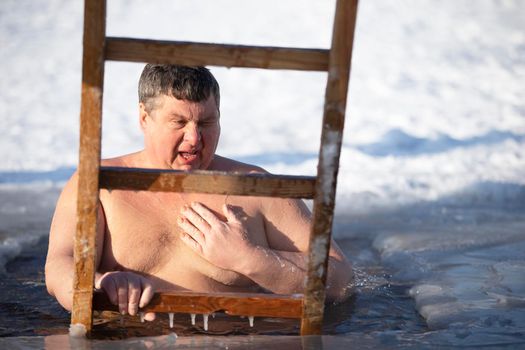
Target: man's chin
(187, 166)
(196, 164)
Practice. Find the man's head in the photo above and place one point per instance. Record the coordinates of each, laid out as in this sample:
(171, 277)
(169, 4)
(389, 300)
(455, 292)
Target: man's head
(179, 115)
(193, 84)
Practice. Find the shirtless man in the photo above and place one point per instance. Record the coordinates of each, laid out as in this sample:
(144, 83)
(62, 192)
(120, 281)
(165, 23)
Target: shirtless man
(157, 241)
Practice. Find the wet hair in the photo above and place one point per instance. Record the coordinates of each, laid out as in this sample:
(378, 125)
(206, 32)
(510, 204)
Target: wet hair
(184, 83)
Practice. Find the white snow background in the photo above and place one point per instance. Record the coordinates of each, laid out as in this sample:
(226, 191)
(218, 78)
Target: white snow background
(436, 102)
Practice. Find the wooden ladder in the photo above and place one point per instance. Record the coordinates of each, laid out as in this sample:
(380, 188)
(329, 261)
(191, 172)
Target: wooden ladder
(98, 48)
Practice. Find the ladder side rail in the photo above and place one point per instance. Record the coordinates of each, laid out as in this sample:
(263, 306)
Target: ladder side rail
(89, 161)
(331, 138)
(225, 55)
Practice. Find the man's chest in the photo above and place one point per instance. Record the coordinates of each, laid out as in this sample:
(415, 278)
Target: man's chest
(142, 232)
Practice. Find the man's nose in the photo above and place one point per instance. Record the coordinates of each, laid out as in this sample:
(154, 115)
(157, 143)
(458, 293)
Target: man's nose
(192, 134)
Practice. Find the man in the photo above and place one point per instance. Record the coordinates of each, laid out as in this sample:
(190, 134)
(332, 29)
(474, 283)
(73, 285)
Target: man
(151, 241)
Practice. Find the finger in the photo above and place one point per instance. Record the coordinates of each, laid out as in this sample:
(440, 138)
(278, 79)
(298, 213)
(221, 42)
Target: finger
(190, 242)
(134, 290)
(147, 293)
(205, 213)
(109, 286)
(122, 292)
(149, 316)
(191, 230)
(230, 215)
(195, 218)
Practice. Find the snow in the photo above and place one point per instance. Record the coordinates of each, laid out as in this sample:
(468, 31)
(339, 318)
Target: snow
(435, 107)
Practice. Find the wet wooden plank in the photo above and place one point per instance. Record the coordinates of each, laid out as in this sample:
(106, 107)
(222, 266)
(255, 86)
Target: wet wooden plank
(207, 182)
(324, 201)
(203, 54)
(240, 304)
(89, 162)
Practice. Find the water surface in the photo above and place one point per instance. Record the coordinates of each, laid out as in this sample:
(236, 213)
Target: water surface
(433, 274)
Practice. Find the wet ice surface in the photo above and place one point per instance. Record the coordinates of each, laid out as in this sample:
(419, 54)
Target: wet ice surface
(463, 267)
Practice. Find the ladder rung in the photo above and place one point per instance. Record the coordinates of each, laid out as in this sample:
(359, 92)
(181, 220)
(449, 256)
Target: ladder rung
(241, 304)
(212, 182)
(191, 53)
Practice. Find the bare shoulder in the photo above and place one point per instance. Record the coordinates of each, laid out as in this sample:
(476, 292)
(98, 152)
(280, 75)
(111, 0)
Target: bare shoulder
(63, 225)
(127, 161)
(69, 192)
(226, 164)
(268, 205)
(71, 185)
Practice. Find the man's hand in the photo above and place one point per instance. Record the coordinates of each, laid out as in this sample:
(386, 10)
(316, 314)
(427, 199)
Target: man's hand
(223, 243)
(128, 290)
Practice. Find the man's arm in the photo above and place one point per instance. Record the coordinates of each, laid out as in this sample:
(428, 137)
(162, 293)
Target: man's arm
(288, 224)
(125, 289)
(59, 263)
(280, 268)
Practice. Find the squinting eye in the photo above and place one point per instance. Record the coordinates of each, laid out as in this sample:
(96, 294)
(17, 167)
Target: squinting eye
(178, 123)
(208, 122)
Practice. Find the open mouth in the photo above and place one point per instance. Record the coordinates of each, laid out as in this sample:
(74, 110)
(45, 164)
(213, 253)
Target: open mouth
(188, 156)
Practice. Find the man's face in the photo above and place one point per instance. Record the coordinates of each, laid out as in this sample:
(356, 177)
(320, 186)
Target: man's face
(180, 134)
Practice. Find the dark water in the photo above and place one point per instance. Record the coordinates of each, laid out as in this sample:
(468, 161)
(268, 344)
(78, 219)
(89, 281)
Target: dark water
(27, 310)
(381, 314)
(25, 307)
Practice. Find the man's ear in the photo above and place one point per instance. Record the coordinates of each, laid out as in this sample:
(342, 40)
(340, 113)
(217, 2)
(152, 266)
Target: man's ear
(143, 116)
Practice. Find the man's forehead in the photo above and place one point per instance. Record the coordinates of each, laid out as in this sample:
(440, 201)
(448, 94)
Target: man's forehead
(186, 108)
